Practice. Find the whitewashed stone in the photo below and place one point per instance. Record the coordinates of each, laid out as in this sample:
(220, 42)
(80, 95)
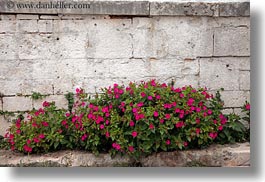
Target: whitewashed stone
(186, 80)
(8, 47)
(219, 73)
(49, 17)
(45, 26)
(17, 104)
(8, 17)
(164, 37)
(7, 26)
(235, 98)
(27, 17)
(244, 82)
(60, 101)
(232, 41)
(4, 125)
(27, 26)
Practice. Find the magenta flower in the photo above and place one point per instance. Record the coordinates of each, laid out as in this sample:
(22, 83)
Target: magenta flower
(45, 104)
(27, 148)
(158, 97)
(134, 134)
(107, 134)
(41, 136)
(28, 141)
(101, 126)
(198, 130)
(140, 104)
(179, 124)
(210, 112)
(162, 121)
(84, 137)
(177, 110)
(168, 142)
(143, 94)
(167, 116)
(198, 109)
(36, 140)
(156, 114)
(247, 107)
(220, 128)
(130, 148)
(151, 126)
(131, 123)
(44, 123)
(18, 131)
(150, 97)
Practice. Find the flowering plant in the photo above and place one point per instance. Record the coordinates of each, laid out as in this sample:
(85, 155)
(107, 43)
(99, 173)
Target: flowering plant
(136, 120)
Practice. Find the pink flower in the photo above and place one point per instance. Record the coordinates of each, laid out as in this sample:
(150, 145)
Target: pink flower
(84, 137)
(18, 125)
(143, 94)
(64, 122)
(107, 134)
(44, 123)
(178, 90)
(151, 126)
(107, 122)
(131, 123)
(167, 116)
(27, 148)
(158, 97)
(116, 146)
(220, 128)
(28, 142)
(177, 110)
(168, 142)
(198, 121)
(134, 134)
(77, 90)
(181, 95)
(156, 114)
(140, 104)
(150, 98)
(115, 85)
(247, 107)
(179, 124)
(130, 148)
(41, 136)
(210, 112)
(181, 116)
(161, 121)
(198, 130)
(185, 144)
(45, 104)
(67, 114)
(36, 140)
(213, 135)
(134, 110)
(101, 126)
(117, 96)
(198, 109)
(18, 131)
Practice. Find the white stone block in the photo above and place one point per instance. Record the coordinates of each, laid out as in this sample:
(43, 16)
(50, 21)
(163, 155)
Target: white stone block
(7, 26)
(235, 98)
(244, 80)
(8, 47)
(17, 104)
(59, 100)
(45, 26)
(232, 41)
(8, 17)
(4, 125)
(27, 17)
(49, 17)
(164, 37)
(219, 73)
(187, 80)
(27, 26)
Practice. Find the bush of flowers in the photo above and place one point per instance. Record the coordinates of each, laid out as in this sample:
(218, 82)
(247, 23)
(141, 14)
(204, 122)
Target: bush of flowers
(137, 120)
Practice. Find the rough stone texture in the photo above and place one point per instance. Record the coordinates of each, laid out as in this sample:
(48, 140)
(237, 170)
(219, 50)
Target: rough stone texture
(234, 9)
(237, 155)
(27, 26)
(17, 104)
(7, 26)
(45, 26)
(235, 98)
(139, 8)
(8, 17)
(216, 73)
(244, 82)
(59, 100)
(232, 41)
(4, 125)
(27, 17)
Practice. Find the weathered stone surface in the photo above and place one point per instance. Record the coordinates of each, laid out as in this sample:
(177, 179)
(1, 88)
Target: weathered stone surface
(234, 9)
(235, 98)
(183, 8)
(236, 155)
(4, 125)
(232, 41)
(17, 104)
(45, 26)
(77, 7)
(244, 82)
(216, 73)
(49, 17)
(7, 26)
(8, 48)
(163, 37)
(8, 17)
(60, 101)
(27, 26)
(27, 17)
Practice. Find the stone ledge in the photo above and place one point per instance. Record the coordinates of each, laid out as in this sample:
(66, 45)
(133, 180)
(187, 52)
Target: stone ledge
(235, 155)
(135, 8)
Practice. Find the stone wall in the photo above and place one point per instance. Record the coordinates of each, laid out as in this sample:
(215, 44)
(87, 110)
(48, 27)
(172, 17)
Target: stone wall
(193, 43)
(236, 155)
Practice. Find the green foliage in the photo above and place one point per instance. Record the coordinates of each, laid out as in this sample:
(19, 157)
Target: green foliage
(137, 120)
(70, 98)
(37, 96)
